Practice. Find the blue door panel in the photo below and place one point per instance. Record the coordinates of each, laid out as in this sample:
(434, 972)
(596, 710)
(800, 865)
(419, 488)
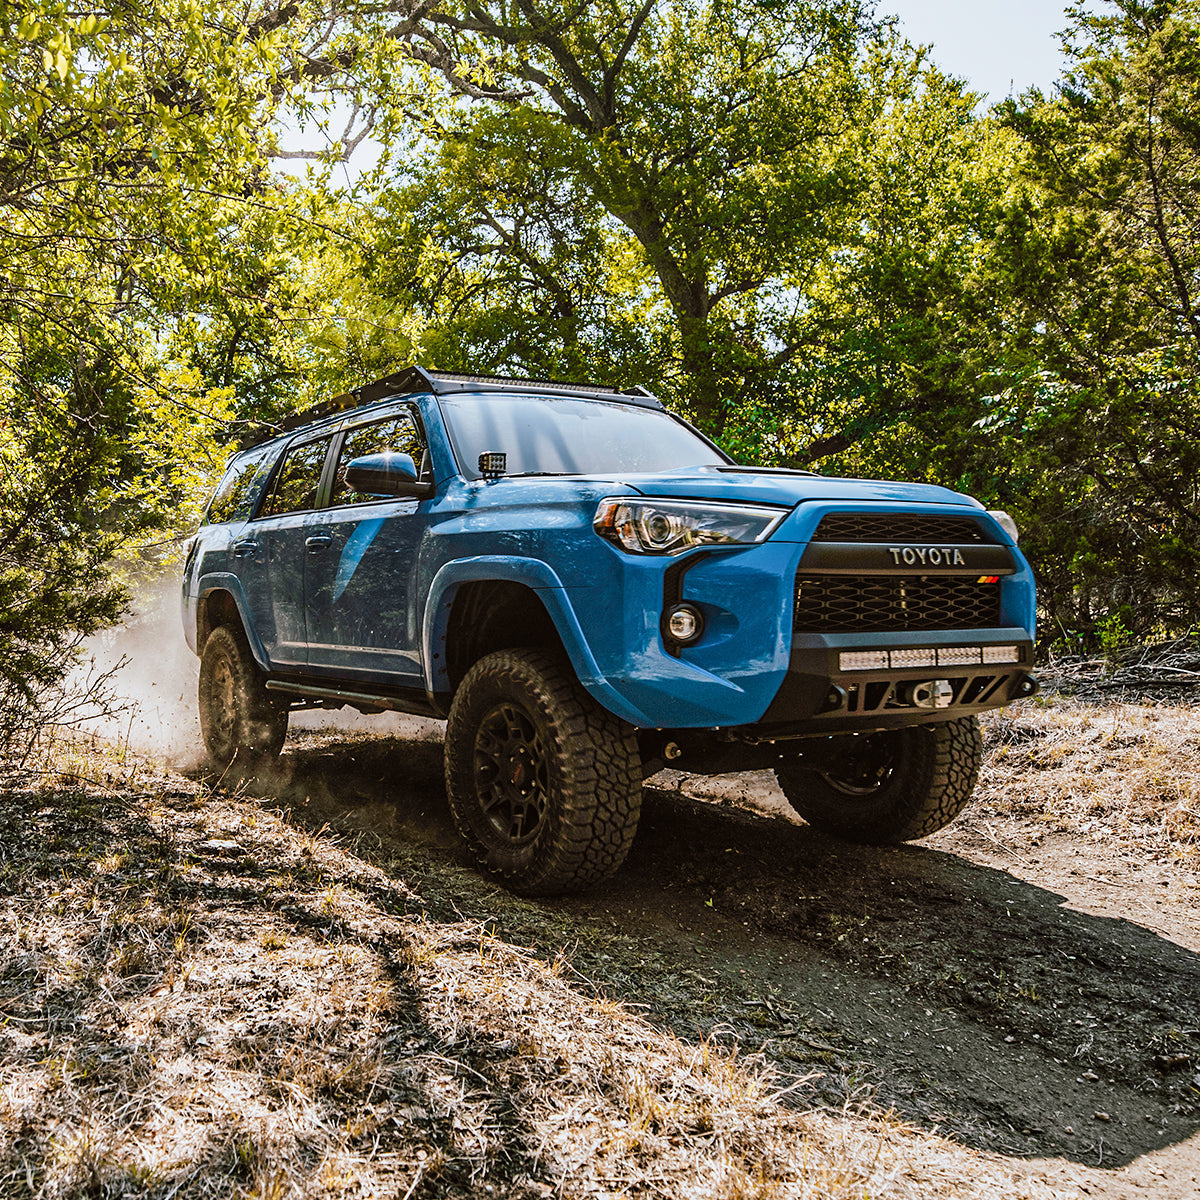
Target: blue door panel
(358, 582)
(270, 562)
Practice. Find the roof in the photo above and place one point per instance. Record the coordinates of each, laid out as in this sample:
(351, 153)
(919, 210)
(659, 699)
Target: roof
(415, 379)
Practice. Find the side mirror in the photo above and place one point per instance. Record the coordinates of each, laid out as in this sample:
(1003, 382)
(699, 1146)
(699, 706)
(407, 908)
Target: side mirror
(388, 474)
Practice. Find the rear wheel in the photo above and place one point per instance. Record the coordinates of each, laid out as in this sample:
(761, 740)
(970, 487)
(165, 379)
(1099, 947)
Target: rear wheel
(892, 786)
(545, 785)
(239, 718)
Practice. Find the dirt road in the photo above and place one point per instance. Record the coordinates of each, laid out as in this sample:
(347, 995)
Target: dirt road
(1035, 995)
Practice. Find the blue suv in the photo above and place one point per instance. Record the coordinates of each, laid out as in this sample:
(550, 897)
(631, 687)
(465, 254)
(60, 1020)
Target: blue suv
(587, 589)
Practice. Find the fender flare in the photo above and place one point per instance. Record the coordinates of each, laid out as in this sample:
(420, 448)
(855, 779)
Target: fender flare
(538, 577)
(222, 581)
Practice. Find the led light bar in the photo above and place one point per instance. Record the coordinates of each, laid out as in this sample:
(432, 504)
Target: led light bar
(1001, 654)
(943, 656)
(957, 656)
(914, 658)
(864, 660)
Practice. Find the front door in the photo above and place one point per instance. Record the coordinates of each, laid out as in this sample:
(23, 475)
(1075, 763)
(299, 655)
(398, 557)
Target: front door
(362, 622)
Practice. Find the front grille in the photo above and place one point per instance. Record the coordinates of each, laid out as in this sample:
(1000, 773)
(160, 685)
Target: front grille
(878, 603)
(918, 528)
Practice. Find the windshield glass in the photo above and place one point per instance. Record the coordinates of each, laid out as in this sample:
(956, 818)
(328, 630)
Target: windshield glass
(571, 437)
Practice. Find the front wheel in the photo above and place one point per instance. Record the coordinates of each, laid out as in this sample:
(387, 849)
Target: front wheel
(889, 787)
(238, 716)
(545, 786)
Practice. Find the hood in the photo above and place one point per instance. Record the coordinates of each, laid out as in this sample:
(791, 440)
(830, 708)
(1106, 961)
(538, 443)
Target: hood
(765, 485)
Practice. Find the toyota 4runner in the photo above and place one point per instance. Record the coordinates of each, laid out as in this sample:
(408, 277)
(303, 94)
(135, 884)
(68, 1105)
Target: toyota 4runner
(586, 589)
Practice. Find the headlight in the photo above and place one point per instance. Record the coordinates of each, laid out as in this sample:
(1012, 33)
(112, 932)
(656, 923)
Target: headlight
(1005, 522)
(673, 526)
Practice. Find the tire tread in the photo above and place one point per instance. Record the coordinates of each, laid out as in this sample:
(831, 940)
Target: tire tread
(260, 722)
(597, 761)
(933, 785)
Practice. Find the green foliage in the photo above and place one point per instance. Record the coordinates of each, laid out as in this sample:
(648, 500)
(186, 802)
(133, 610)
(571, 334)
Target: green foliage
(134, 210)
(1097, 258)
(53, 551)
(629, 189)
(782, 218)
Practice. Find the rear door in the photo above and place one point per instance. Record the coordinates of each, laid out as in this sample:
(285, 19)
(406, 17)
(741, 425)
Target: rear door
(361, 618)
(272, 551)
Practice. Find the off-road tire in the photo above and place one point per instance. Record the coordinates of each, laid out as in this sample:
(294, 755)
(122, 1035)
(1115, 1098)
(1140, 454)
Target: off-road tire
(544, 784)
(905, 784)
(239, 718)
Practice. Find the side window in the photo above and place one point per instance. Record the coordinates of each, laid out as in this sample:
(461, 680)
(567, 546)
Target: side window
(298, 479)
(398, 432)
(238, 489)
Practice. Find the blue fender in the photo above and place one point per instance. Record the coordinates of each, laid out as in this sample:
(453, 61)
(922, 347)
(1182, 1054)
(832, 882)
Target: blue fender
(537, 576)
(221, 581)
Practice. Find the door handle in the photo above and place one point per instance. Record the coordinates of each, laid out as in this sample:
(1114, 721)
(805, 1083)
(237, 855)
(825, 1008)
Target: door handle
(317, 542)
(244, 547)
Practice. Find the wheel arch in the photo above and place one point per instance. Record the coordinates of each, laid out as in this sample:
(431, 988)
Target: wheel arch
(221, 601)
(494, 614)
(504, 588)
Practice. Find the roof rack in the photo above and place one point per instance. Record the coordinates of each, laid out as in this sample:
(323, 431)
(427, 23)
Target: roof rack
(418, 379)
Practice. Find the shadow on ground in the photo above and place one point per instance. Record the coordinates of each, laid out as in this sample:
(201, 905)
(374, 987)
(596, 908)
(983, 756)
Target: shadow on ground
(961, 996)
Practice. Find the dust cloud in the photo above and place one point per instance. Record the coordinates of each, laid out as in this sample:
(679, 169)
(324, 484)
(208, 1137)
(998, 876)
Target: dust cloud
(152, 684)
(151, 680)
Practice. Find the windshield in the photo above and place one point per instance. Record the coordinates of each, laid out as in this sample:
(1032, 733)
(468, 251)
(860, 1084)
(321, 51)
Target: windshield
(571, 437)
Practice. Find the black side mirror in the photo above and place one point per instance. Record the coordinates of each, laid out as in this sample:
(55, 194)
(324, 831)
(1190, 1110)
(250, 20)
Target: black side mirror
(388, 474)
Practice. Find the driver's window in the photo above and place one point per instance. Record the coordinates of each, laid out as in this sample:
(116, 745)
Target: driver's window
(397, 432)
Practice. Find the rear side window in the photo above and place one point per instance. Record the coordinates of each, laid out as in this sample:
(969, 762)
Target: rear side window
(238, 490)
(397, 432)
(299, 479)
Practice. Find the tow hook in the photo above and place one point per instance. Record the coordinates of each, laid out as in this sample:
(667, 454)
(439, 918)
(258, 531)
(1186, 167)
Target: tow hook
(927, 693)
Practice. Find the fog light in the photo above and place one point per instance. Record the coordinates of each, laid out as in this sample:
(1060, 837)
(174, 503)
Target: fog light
(684, 623)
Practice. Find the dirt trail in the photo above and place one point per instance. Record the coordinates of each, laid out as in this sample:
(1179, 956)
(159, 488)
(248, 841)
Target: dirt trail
(1034, 995)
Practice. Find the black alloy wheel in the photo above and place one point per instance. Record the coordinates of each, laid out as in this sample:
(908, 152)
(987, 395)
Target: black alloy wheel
(866, 766)
(888, 787)
(512, 773)
(544, 784)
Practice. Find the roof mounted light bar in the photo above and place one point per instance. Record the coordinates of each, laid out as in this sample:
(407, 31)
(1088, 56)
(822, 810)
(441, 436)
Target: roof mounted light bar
(419, 379)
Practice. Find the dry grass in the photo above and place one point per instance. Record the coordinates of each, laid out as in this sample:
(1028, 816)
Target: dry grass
(198, 1000)
(1124, 771)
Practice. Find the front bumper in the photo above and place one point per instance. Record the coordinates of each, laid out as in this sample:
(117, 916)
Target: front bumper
(819, 696)
(752, 666)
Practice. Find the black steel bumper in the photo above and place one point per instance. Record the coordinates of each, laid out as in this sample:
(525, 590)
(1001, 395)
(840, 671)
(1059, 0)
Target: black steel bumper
(820, 695)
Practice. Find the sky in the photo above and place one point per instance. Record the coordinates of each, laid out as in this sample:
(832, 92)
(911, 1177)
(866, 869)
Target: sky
(998, 46)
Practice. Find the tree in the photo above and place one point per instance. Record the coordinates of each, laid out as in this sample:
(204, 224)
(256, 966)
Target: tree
(133, 200)
(1100, 251)
(695, 145)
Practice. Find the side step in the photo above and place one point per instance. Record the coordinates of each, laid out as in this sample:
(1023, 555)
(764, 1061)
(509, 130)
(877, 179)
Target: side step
(367, 702)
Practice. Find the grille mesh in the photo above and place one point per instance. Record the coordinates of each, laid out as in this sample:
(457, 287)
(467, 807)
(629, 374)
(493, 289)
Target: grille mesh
(878, 603)
(918, 528)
